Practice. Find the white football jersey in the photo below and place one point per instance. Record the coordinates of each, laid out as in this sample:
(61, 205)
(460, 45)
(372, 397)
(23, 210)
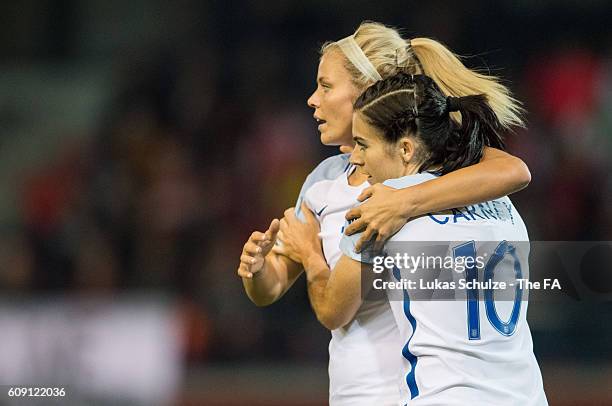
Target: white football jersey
(462, 351)
(363, 366)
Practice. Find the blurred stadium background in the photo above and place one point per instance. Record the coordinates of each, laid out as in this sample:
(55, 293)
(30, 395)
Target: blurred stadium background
(142, 141)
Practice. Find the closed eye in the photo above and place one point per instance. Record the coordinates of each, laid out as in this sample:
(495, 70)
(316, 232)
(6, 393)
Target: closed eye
(361, 144)
(324, 84)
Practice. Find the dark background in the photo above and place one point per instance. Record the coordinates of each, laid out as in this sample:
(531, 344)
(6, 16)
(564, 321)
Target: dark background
(142, 141)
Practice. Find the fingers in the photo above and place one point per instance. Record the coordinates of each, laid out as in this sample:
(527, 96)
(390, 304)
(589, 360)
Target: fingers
(353, 213)
(283, 225)
(286, 251)
(256, 247)
(289, 214)
(288, 218)
(247, 259)
(365, 238)
(308, 215)
(366, 193)
(243, 271)
(251, 248)
(257, 237)
(379, 242)
(355, 227)
(346, 149)
(272, 231)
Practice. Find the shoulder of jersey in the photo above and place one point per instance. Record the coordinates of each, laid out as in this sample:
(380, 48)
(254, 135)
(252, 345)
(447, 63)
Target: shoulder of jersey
(410, 180)
(328, 169)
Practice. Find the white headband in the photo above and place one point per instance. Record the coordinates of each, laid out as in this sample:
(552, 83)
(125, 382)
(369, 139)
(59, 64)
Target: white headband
(355, 54)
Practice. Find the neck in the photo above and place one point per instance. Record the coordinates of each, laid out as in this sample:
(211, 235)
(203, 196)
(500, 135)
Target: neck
(410, 169)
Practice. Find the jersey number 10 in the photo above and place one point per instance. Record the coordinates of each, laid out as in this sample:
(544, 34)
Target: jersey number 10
(471, 275)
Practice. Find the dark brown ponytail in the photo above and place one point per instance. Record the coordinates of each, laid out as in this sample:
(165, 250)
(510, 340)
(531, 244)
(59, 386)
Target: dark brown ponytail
(413, 105)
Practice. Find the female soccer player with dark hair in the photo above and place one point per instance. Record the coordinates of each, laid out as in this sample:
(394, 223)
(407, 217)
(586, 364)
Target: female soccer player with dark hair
(362, 369)
(451, 354)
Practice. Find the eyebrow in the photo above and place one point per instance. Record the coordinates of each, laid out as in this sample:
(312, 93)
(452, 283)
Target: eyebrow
(357, 138)
(322, 79)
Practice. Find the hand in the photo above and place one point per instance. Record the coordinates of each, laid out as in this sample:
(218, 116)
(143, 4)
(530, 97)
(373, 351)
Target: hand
(346, 149)
(299, 240)
(382, 215)
(256, 249)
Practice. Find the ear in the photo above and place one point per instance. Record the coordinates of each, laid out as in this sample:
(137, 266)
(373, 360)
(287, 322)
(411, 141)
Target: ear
(407, 149)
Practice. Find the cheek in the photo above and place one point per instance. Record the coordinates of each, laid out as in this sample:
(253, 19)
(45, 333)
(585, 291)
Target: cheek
(393, 166)
(342, 102)
(381, 164)
(370, 159)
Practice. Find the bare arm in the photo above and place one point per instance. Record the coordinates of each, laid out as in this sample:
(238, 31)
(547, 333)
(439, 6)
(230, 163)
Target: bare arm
(266, 276)
(386, 209)
(497, 174)
(335, 296)
(278, 275)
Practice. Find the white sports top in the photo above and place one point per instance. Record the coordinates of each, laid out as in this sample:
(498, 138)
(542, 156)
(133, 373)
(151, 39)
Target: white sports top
(363, 361)
(458, 351)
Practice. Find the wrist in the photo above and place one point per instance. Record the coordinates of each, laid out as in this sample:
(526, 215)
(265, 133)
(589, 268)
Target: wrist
(314, 263)
(409, 203)
(310, 253)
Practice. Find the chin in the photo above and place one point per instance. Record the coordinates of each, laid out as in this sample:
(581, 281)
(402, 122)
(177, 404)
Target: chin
(333, 139)
(329, 140)
(372, 180)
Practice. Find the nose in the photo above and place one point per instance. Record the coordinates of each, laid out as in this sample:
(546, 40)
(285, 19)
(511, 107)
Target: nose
(313, 100)
(356, 158)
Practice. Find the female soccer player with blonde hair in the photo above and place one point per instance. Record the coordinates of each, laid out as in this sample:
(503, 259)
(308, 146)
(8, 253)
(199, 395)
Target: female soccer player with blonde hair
(363, 363)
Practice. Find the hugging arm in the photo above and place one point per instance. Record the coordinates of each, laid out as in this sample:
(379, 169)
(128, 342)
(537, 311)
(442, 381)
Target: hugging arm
(386, 210)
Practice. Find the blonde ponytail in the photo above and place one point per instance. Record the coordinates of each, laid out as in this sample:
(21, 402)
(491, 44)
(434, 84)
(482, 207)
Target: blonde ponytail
(390, 54)
(455, 79)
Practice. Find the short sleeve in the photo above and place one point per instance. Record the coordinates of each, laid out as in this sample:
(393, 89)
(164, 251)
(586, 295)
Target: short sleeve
(347, 247)
(330, 168)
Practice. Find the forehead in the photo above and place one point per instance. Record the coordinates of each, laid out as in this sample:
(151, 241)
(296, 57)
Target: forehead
(364, 130)
(331, 65)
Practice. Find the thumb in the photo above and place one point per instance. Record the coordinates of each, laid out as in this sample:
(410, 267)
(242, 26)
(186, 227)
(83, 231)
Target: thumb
(366, 194)
(346, 149)
(272, 231)
(307, 213)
